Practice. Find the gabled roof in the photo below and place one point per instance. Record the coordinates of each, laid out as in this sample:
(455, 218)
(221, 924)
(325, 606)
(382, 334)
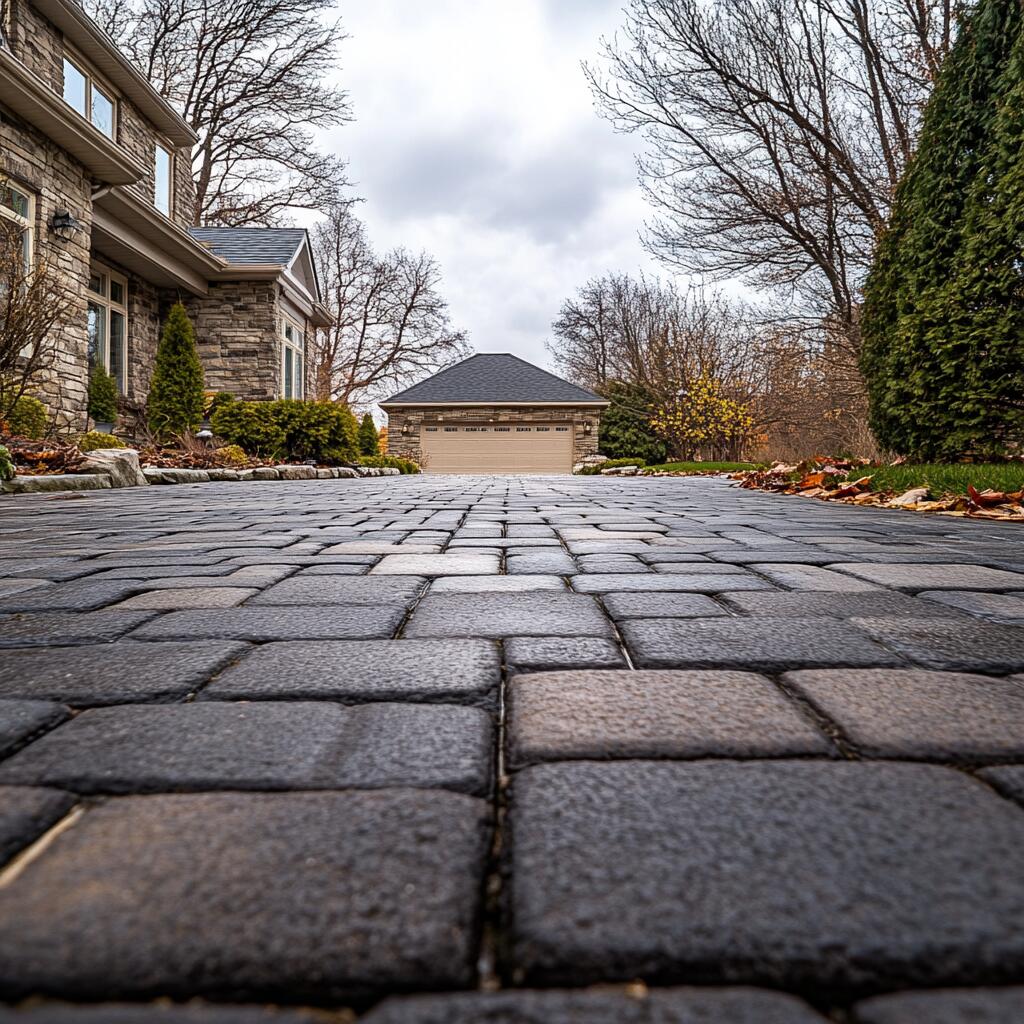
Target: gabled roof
(498, 378)
(252, 245)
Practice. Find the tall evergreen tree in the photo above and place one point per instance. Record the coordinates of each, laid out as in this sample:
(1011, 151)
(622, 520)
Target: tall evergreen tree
(367, 436)
(176, 392)
(942, 342)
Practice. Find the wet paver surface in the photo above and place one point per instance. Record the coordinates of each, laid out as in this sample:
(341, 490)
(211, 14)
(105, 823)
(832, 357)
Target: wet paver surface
(515, 750)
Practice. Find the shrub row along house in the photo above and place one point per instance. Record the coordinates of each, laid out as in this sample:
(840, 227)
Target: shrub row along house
(96, 174)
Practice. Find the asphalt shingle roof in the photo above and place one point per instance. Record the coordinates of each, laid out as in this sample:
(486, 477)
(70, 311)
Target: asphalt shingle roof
(493, 377)
(252, 245)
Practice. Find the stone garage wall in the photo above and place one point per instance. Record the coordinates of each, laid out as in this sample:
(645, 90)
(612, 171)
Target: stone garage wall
(410, 445)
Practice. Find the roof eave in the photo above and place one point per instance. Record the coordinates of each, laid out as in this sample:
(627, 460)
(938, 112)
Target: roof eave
(396, 403)
(102, 51)
(34, 101)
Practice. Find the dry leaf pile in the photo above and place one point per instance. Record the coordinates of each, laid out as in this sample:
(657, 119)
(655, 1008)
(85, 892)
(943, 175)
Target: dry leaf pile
(43, 458)
(827, 479)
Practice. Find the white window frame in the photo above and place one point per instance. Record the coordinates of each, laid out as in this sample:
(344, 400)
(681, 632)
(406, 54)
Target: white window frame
(26, 221)
(293, 349)
(92, 83)
(111, 309)
(169, 152)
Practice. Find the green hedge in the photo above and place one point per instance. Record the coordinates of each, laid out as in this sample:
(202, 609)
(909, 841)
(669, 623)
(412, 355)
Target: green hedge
(28, 418)
(289, 429)
(389, 462)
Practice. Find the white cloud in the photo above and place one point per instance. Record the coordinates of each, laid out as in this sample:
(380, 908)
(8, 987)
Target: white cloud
(476, 139)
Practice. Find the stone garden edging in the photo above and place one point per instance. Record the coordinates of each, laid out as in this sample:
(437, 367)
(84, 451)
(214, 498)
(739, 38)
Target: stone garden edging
(119, 467)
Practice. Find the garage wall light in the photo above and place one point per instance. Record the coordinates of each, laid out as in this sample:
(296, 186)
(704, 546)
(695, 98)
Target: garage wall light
(587, 428)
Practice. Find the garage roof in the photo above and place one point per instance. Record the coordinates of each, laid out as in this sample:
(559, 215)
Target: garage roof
(494, 378)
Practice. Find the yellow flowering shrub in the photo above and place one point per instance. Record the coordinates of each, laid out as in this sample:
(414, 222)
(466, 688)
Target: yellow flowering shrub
(704, 421)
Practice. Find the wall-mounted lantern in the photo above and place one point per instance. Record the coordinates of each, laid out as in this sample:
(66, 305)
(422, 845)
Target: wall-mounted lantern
(64, 223)
(587, 428)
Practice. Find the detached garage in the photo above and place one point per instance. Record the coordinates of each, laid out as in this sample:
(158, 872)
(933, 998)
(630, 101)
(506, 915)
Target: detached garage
(494, 413)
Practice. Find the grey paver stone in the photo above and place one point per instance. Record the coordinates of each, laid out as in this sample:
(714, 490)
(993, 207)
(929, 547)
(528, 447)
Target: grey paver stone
(153, 1013)
(1008, 779)
(382, 893)
(763, 644)
(651, 606)
(26, 813)
(501, 615)
(646, 583)
(20, 720)
(811, 604)
(173, 598)
(915, 714)
(840, 876)
(357, 671)
(453, 564)
(495, 584)
(114, 673)
(811, 577)
(261, 745)
(945, 1006)
(607, 1006)
(1007, 608)
(539, 654)
(328, 590)
(48, 628)
(934, 576)
(536, 561)
(561, 716)
(965, 645)
(334, 622)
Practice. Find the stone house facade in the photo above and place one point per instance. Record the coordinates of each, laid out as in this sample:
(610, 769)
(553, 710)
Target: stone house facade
(95, 170)
(494, 413)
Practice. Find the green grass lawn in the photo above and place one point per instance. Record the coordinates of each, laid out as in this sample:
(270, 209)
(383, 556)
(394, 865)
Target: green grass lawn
(702, 467)
(940, 479)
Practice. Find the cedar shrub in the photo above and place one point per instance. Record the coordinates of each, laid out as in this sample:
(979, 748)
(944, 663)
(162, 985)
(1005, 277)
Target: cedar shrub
(367, 436)
(176, 396)
(626, 432)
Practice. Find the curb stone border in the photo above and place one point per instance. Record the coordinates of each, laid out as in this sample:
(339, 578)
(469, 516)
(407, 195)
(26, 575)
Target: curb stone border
(160, 476)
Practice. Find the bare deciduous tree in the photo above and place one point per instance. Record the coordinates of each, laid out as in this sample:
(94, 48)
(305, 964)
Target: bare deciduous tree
(33, 307)
(776, 132)
(391, 323)
(251, 78)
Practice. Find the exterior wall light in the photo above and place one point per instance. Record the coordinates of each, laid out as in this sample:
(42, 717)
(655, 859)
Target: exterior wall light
(406, 430)
(587, 428)
(64, 223)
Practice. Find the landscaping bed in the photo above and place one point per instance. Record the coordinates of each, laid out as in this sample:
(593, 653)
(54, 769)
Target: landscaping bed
(976, 490)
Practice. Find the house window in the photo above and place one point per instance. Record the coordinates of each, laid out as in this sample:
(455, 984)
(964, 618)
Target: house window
(292, 372)
(108, 322)
(88, 97)
(16, 210)
(162, 180)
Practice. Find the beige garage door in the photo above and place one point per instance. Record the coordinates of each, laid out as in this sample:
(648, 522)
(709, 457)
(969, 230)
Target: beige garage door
(537, 448)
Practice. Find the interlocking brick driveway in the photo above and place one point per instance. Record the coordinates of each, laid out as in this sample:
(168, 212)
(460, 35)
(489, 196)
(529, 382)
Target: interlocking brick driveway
(476, 744)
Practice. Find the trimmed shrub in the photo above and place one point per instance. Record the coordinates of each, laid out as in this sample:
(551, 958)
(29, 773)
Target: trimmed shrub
(368, 439)
(28, 418)
(95, 439)
(176, 393)
(390, 462)
(625, 425)
(231, 455)
(289, 429)
(102, 395)
(611, 464)
(219, 399)
(6, 464)
(252, 426)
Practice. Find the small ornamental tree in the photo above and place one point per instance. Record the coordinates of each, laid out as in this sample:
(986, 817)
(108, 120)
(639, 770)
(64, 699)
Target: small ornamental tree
(102, 395)
(176, 393)
(943, 315)
(626, 431)
(368, 438)
(704, 421)
(382, 441)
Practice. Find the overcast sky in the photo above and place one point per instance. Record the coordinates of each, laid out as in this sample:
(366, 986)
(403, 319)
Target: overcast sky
(476, 138)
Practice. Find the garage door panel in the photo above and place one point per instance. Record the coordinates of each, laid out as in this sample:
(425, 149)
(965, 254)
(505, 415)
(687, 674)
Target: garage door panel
(538, 448)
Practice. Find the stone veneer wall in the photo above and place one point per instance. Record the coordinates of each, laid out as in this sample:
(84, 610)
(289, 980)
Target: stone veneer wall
(57, 181)
(409, 446)
(237, 334)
